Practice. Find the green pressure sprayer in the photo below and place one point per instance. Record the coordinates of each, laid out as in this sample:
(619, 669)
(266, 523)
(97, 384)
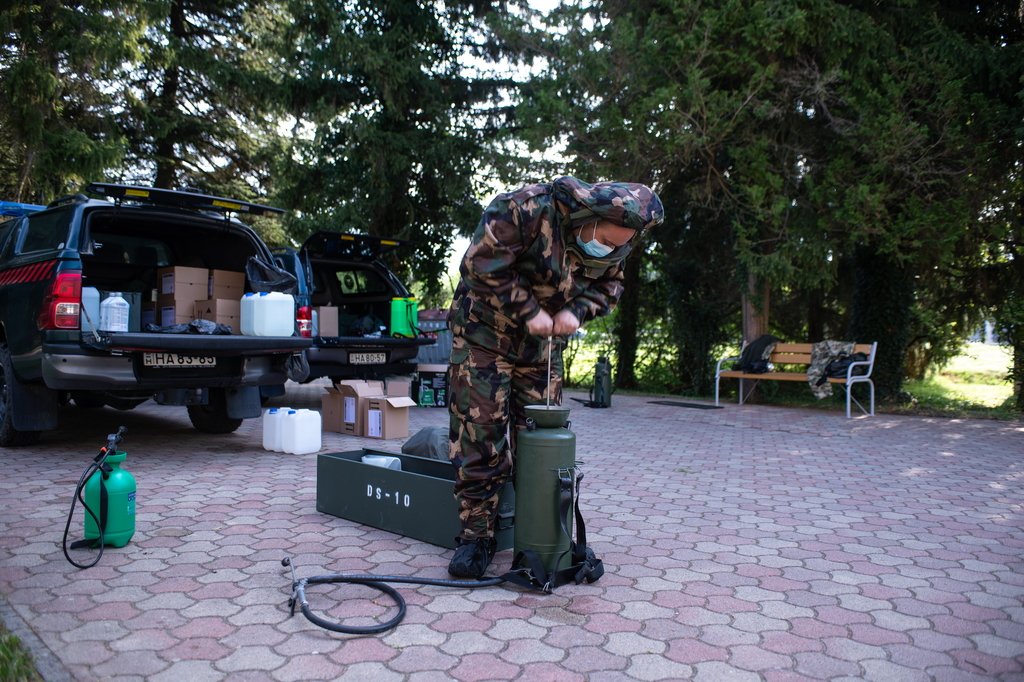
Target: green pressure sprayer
(601, 393)
(109, 502)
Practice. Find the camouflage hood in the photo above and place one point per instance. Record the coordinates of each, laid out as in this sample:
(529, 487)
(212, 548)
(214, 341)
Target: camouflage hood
(628, 204)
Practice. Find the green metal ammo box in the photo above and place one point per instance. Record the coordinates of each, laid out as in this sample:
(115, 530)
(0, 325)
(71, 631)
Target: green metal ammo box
(416, 502)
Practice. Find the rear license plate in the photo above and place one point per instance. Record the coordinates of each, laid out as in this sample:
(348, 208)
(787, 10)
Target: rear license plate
(175, 360)
(367, 358)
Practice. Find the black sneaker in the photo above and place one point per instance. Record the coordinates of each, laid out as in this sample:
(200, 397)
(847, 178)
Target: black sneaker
(472, 557)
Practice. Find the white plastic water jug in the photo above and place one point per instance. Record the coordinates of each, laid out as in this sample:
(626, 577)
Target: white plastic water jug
(90, 307)
(300, 432)
(247, 303)
(272, 420)
(271, 314)
(114, 313)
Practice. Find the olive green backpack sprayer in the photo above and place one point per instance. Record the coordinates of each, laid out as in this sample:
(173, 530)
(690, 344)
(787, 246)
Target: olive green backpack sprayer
(109, 502)
(601, 393)
(547, 483)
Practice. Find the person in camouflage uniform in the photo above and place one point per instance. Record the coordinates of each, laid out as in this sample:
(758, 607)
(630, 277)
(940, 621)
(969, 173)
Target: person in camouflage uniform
(545, 259)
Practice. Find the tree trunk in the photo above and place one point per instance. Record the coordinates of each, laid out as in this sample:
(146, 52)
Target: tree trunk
(1018, 371)
(880, 310)
(167, 111)
(754, 305)
(628, 322)
(816, 315)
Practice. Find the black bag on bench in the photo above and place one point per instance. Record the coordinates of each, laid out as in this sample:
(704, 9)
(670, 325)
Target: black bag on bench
(838, 367)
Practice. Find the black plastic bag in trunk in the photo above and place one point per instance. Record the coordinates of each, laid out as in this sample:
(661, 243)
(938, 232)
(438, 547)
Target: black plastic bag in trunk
(266, 278)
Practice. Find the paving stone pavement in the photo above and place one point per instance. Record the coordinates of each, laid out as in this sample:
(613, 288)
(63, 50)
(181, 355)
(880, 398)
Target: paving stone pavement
(748, 543)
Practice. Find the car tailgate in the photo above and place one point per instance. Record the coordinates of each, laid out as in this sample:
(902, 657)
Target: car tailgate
(370, 343)
(207, 344)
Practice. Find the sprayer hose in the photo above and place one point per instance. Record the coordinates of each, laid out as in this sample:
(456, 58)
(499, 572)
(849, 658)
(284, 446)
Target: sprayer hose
(377, 582)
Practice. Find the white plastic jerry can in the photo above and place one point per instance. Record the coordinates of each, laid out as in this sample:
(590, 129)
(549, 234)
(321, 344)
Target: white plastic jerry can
(269, 314)
(300, 432)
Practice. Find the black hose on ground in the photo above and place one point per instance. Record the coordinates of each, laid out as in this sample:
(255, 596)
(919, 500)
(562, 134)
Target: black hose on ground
(377, 582)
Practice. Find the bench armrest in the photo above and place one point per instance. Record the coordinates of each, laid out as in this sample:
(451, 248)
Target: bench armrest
(849, 370)
(718, 367)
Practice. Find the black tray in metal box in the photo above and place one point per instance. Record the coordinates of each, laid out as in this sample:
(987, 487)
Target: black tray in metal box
(416, 502)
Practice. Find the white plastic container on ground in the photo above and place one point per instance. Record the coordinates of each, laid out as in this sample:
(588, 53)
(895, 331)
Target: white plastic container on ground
(301, 432)
(272, 428)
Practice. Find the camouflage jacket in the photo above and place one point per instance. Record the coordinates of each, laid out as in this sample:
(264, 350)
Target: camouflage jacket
(523, 257)
(823, 353)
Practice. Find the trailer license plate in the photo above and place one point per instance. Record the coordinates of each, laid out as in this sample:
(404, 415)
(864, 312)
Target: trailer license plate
(367, 358)
(175, 360)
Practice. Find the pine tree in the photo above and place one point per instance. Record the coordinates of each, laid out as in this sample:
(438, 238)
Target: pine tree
(55, 113)
(397, 128)
(204, 100)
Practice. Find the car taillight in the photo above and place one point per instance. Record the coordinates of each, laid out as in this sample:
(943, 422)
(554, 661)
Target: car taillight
(304, 318)
(62, 306)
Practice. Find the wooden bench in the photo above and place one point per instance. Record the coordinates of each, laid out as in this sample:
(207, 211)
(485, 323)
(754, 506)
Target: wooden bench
(800, 354)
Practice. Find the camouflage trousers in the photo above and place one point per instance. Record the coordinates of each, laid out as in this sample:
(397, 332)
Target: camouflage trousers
(494, 375)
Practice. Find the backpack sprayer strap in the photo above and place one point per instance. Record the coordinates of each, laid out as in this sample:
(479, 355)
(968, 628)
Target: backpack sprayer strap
(586, 567)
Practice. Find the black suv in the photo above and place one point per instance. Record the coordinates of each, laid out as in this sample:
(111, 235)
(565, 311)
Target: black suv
(117, 243)
(345, 271)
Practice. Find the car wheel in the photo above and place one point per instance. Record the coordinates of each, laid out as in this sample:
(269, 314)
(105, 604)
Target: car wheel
(213, 417)
(10, 436)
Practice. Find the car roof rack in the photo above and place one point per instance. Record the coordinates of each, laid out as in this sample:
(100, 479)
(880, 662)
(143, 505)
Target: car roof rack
(169, 197)
(365, 247)
(11, 208)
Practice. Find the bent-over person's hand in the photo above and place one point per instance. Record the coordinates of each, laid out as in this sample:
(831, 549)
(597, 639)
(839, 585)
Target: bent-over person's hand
(540, 324)
(565, 323)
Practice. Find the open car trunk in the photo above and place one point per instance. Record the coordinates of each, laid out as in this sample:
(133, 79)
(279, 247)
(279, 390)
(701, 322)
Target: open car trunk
(122, 253)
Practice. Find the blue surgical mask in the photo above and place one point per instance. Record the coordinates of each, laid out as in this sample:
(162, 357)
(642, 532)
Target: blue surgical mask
(593, 247)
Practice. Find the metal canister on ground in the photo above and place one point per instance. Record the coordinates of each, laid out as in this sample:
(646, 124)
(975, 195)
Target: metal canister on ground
(543, 453)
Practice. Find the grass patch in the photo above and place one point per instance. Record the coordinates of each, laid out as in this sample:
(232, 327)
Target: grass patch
(16, 664)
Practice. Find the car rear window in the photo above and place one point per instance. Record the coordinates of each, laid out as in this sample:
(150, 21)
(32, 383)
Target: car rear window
(361, 282)
(46, 231)
(131, 250)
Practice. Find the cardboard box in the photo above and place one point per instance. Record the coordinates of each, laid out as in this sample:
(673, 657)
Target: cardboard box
(388, 416)
(224, 284)
(169, 280)
(227, 312)
(332, 410)
(354, 394)
(175, 314)
(327, 320)
(207, 310)
(148, 314)
(184, 294)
